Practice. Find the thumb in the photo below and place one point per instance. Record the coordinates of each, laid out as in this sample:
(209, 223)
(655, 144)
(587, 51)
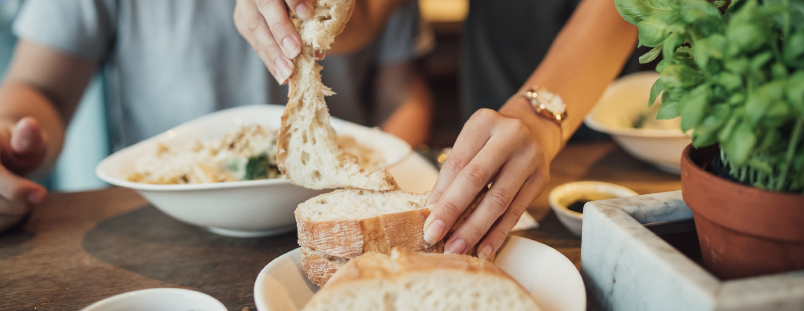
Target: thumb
(27, 138)
(16, 188)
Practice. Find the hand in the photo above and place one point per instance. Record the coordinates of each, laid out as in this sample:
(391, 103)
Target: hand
(267, 27)
(510, 153)
(22, 149)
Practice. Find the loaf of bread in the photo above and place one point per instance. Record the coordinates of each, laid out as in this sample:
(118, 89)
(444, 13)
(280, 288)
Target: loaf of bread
(408, 280)
(344, 224)
(307, 149)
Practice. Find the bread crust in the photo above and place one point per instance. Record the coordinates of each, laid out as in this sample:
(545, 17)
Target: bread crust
(318, 267)
(352, 238)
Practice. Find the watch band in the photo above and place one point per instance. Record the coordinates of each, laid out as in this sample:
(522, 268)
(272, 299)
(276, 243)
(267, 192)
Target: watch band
(547, 105)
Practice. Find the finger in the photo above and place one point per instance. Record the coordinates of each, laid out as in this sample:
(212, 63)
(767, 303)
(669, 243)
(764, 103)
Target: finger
(18, 189)
(26, 138)
(494, 204)
(472, 138)
(276, 14)
(464, 188)
(263, 42)
(490, 243)
(302, 8)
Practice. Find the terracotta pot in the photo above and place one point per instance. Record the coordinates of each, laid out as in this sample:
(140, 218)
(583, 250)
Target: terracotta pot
(743, 231)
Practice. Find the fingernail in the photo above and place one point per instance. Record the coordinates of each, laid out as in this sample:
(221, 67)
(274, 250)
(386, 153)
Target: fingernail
(457, 246)
(485, 252)
(432, 233)
(303, 10)
(283, 69)
(291, 47)
(36, 197)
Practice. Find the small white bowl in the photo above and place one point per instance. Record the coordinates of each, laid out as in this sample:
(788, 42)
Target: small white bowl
(566, 194)
(615, 112)
(250, 208)
(158, 299)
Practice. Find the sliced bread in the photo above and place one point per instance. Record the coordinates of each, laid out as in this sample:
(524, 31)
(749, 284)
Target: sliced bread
(307, 149)
(347, 223)
(408, 280)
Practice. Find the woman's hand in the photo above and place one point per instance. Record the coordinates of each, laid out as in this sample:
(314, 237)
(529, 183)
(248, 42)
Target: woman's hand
(510, 149)
(266, 25)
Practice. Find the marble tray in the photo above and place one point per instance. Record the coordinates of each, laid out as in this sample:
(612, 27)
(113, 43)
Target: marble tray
(627, 267)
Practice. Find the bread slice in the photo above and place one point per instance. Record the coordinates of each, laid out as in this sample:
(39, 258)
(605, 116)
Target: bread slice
(344, 224)
(307, 149)
(409, 280)
(349, 222)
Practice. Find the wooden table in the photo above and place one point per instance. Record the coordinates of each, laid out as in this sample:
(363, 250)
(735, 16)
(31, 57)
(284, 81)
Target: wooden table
(78, 248)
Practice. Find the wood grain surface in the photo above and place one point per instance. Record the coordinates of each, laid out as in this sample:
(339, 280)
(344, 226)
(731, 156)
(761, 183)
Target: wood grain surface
(78, 248)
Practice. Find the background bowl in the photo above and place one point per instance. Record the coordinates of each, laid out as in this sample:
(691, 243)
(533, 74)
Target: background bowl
(158, 299)
(249, 208)
(562, 196)
(625, 100)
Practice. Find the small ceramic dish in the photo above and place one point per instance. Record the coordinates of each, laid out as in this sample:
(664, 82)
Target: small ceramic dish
(562, 197)
(158, 299)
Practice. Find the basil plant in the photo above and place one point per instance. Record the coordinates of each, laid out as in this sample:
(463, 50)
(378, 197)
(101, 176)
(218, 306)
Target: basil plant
(734, 72)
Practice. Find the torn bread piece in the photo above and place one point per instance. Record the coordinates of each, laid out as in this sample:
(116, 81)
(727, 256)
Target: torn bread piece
(408, 280)
(344, 224)
(307, 148)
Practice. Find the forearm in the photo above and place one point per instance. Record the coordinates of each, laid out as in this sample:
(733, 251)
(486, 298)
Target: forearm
(19, 100)
(585, 57)
(411, 121)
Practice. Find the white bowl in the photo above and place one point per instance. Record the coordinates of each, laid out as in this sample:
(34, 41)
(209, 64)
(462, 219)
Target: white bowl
(620, 104)
(566, 194)
(158, 299)
(548, 275)
(241, 208)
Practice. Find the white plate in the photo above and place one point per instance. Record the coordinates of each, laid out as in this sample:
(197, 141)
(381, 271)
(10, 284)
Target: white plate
(255, 207)
(158, 299)
(548, 275)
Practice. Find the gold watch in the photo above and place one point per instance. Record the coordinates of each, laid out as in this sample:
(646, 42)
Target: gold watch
(548, 105)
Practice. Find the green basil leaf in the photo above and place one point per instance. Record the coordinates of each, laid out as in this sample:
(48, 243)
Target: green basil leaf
(746, 38)
(652, 31)
(728, 80)
(793, 49)
(668, 110)
(741, 144)
(708, 128)
(725, 133)
(736, 99)
(709, 47)
(680, 76)
(738, 65)
(760, 60)
(635, 11)
(693, 106)
(655, 90)
(760, 101)
(778, 71)
(778, 115)
(795, 91)
(650, 55)
(670, 44)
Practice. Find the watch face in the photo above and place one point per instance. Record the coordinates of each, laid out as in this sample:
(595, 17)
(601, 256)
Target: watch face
(552, 102)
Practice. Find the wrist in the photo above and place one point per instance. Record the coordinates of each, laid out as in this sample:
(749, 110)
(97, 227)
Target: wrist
(547, 132)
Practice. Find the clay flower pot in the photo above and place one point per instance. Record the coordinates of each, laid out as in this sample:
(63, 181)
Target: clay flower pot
(743, 231)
